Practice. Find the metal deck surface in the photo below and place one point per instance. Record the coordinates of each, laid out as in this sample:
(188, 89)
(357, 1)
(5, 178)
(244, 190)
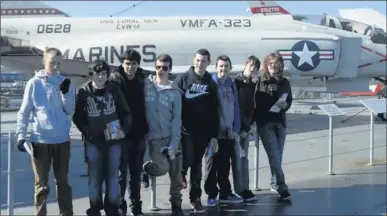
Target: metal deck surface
(356, 189)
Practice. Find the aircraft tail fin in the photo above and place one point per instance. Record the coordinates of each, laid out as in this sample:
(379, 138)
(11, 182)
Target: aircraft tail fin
(266, 8)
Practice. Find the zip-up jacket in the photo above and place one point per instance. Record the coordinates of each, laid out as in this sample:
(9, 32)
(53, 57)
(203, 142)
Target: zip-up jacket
(51, 110)
(163, 111)
(94, 112)
(245, 87)
(228, 107)
(200, 115)
(266, 98)
(133, 91)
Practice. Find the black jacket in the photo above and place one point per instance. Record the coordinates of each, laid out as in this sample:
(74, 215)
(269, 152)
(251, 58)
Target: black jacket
(245, 87)
(200, 114)
(90, 117)
(133, 91)
(266, 98)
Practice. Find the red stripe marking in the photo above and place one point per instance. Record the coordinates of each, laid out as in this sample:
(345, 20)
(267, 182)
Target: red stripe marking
(374, 52)
(326, 54)
(269, 9)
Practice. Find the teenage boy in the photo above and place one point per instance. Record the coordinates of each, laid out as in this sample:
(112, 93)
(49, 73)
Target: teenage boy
(50, 98)
(104, 118)
(218, 164)
(163, 112)
(200, 120)
(245, 86)
(130, 79)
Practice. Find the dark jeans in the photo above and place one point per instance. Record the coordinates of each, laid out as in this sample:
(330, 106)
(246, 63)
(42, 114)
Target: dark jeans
(273, 140)
(218, 170)
(193, 151)
(132, 158)
(103, 163)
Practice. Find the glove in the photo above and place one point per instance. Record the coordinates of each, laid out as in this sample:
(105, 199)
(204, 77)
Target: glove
(64, 86)
(20, 145)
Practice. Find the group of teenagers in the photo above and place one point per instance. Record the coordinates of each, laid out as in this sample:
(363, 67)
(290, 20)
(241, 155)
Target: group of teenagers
(139, 121)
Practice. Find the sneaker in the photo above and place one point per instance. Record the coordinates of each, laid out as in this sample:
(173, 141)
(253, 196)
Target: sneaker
(273, 189)
(145, 180)
(249, 196)
(176, 209)
(123, 208)
(93, 212)
(197, 205)
(285, 195)
(136, 209)
(211, 202)
(232, 198)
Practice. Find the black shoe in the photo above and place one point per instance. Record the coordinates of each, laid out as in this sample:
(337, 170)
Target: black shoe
(145, 180)
(123, 209)
(136, 208)
(197, 205)
(176, 208)
(285, 195)
(93, 212)
(249, 196)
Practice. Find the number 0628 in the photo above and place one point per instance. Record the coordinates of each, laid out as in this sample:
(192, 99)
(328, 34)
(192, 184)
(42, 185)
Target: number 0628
(53, 28)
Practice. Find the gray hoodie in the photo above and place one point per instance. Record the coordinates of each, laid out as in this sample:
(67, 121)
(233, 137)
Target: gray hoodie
(163, 110)
(51, 110)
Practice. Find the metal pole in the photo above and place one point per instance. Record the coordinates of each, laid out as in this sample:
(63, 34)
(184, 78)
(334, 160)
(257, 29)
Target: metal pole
(153, 206)
(330, 146)
(256, 173)
(371, 139)
(10, 174)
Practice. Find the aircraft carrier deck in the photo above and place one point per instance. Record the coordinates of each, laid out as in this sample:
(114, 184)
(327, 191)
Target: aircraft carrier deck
(356, 189)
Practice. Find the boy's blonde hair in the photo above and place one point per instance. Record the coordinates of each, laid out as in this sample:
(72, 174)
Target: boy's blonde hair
(51, 51)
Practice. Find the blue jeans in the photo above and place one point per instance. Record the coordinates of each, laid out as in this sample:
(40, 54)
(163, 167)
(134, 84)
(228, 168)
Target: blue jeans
(103, 164)
(273, 140)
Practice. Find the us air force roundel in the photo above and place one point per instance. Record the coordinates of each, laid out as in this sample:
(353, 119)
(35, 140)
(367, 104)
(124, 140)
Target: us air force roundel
(306, 55)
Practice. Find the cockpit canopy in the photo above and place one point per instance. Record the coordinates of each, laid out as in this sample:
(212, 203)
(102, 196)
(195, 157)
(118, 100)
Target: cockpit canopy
(377, 35)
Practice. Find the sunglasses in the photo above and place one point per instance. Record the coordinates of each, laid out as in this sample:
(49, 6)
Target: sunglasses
(165, 68)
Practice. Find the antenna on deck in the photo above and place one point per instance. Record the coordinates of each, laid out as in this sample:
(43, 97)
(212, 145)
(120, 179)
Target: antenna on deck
(131, 7)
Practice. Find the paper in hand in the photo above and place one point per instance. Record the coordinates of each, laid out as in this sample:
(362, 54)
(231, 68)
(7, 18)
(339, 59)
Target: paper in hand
(28, 149)
(275, 107)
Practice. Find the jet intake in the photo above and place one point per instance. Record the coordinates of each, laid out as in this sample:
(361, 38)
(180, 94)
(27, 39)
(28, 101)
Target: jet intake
(349, 58)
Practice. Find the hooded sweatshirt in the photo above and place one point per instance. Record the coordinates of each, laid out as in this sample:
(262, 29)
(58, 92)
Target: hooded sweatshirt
(245, 87)
(229, 107)
(133, 91)
(97, 109)
(51, 110)
(200, 115)
(163, 110)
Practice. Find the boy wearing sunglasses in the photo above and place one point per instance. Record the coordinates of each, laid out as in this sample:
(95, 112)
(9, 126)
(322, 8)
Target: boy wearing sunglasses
(163, 113)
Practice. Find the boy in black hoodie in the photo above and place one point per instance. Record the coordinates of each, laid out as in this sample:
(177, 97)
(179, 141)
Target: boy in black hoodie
(200, 120)
(130, 79)
(104, 119)
(245, 85)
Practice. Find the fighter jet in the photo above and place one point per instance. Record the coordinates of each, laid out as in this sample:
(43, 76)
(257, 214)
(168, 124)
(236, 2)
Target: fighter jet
(344, 60)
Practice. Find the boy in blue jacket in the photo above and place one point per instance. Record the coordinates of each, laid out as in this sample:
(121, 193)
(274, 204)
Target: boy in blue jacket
(50, 98)
(218, 163)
